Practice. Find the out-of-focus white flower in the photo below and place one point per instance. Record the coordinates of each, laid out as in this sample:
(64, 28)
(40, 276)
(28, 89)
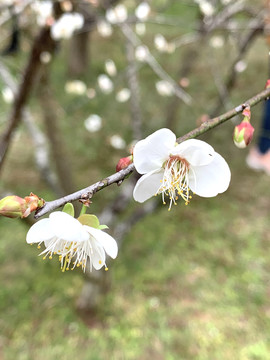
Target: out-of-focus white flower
(7, 2)
(104, 28)
(74, 243)
(142, 11)
(240, 66)
(76, 87)
(140, 29)
(170, 48)
(45, 57)
(163, 45)
(118, 14)
(43, 10)
(66, 6)
(164, 88)
(216, 42)
(174, 170)
(105, 84)
(160, 43)
(141, 53)
(123, 95)
(117, 142)
(110, 67)
(90, 93)
(93, 123)
(65, 26)
(7, 95)
(206, 8)
(225, 2)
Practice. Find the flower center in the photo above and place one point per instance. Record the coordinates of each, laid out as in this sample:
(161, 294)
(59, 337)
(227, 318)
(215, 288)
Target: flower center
(175, 180)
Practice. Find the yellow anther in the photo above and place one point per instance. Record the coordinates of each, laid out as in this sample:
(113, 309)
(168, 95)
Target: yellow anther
(106, 269)
(38, 246)
(50, 257)
(44, 257)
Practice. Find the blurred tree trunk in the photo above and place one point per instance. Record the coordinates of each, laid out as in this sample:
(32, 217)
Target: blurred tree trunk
(78, 59)
(57, 146)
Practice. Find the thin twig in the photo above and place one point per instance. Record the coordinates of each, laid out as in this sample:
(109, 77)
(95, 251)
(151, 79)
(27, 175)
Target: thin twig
(156, 67)
(118, 177)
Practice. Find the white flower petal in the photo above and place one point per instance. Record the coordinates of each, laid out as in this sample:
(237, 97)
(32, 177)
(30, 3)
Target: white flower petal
(148, 185)
(196, 152)
(212, 179)
(149, 154)
(98, 255)
(67, 228)
(39, 232)
(105, 240)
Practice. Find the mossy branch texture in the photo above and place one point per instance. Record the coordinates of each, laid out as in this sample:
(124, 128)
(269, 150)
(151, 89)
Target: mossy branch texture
(88, 192)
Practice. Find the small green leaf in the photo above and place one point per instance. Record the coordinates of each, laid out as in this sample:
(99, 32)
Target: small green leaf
(101, 227)
(89, 220)
(69, 209)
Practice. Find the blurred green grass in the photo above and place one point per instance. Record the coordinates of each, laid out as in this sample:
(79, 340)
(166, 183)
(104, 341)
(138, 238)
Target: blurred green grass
(192, 283)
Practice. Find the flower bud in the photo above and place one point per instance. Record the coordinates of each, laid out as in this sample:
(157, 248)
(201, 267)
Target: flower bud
(267, 85)
(33, 202)
(243, 134)
(123, 163)
(14, 206)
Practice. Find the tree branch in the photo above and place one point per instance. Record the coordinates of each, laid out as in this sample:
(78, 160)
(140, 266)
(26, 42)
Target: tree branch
(43, 42)
(118, 177)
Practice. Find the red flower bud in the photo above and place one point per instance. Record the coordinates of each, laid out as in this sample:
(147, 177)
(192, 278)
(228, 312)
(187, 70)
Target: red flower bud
(243, 134)
(123, 163)
(267, 85)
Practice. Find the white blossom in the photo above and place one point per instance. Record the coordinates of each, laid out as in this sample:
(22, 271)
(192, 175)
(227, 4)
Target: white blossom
(66, 25)
(141, 53)
(164, 88)
(110, 67)
(7, 95)
(76, 87)
(240, 66)
(91, 93)
(216, 42)
(140, 29)
(45, 57)
(175, 170)
(104, 28)
(93, 123)
(117, 142)
(142, 11)
(206, 8)
(117, 14)
(123, 95)
(160, 43)
(105, 84)
(74, 243)
(43, 10)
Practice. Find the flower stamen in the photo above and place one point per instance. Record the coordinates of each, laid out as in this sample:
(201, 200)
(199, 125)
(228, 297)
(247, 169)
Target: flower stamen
(175, 180)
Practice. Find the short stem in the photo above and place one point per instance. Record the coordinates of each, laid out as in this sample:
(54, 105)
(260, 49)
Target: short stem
(83, 210)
